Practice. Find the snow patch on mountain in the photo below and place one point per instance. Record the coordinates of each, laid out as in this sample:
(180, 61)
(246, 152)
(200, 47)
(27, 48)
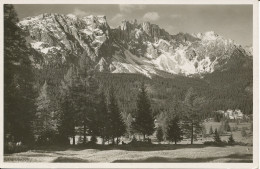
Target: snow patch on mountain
(74, 17)
(130, 48)
(40, 47)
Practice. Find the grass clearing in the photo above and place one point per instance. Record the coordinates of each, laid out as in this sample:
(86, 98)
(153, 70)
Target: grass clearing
(165, 152)
(125, 153)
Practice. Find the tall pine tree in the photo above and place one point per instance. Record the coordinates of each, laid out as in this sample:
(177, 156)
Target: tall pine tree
(174, 132)
(102, 117)
(129, 124)
(19, 92)
(144, 121)
(192, 120)
(88, 97)
(70, 104)
(216, 137)
(159, 134)
(66, 122)
(44, 123)
(117, 126)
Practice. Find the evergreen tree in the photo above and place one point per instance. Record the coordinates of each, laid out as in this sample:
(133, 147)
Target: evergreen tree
(129, 124)
(144, 122)
(71, 102)
(67, 122)
(159, 134)
(216, 137)
(211, 130)
(117, 126)
(192, 120)
(174, 132)
(102, 117)
(93, 139)
(218, 117)
(243, 132)
(88, 112)
(231, 139)
(163, 119)
(19, 92)
(88, 97)
(44, 123)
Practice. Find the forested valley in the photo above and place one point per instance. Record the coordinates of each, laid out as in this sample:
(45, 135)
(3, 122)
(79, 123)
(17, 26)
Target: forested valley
(53, 104)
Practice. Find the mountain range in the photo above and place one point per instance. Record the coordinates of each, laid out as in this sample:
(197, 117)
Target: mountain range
(132, 47)
(218, 69)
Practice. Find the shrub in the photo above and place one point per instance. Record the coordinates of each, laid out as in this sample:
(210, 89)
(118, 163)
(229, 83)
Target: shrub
(216, 137)
(134, 142)
(243, 132)
(244, 144)
(209, 143)
(47, 138)
(234, 128)
(134, 139)
(159, 134)
(93, 139)
(211, 130)
(10, 148)
(213, 143)
(231, 140)
(218, 117)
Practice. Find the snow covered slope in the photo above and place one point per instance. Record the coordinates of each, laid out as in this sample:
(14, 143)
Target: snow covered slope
(132, 47)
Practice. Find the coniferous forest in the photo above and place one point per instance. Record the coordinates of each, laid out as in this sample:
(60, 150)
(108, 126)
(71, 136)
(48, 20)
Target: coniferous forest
(54, 104)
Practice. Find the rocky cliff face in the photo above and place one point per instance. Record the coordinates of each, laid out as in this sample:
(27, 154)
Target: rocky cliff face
(132, 47)
(62, 37)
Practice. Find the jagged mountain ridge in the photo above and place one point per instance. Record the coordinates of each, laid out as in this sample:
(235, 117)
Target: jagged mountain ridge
(130, 48)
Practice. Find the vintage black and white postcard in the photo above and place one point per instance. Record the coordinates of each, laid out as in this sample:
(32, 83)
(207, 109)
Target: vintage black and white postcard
(159, 84)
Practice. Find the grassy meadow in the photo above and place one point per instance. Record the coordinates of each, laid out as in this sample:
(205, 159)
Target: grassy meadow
(163, 152)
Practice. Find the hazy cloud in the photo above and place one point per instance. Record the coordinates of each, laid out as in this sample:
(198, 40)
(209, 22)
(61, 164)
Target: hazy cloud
(79, 12)
(129, 8)
(151, 16)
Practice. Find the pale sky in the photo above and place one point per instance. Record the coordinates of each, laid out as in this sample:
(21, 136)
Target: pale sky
(231, 21)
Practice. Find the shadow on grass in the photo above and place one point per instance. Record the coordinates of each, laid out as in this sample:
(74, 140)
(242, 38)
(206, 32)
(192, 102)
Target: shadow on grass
(69, 160)
(240, 158)
(43, 149)
(235, 158)
(247, 156)
(152, 147)
(165, 160)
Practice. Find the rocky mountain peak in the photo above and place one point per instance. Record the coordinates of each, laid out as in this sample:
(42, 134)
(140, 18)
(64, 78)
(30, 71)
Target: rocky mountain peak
(66, 35)
(95, 21)
(133, 47)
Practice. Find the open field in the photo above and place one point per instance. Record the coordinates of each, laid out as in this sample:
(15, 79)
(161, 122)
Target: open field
(164, 152)
(126, 153)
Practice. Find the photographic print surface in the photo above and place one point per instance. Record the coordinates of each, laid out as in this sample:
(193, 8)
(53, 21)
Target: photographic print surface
(128, 83)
